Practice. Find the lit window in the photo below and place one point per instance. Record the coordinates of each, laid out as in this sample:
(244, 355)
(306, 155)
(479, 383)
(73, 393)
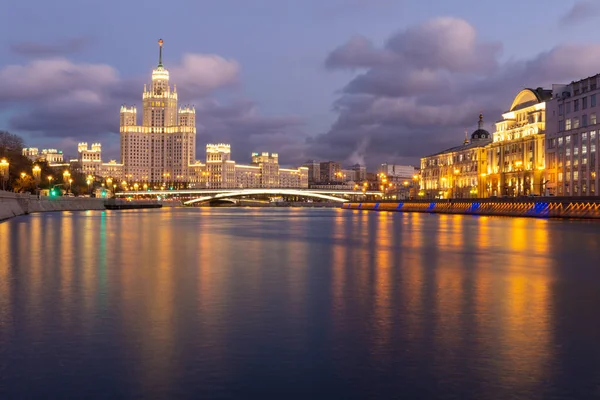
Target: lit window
(568, 124)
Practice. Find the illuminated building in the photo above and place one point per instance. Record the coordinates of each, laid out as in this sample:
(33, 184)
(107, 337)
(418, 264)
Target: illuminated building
(331, 172)
(517, 155)
(458, 172)
(162, 148)
(221, 172)
(51, 156)
(572, 139)
(398, 171)
(360, 172)
(90, 158)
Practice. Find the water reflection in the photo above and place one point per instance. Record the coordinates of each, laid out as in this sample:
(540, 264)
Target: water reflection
(288, 303)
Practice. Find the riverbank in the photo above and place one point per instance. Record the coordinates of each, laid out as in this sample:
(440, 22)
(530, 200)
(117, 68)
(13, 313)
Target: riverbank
(542, 207)
(15, 204)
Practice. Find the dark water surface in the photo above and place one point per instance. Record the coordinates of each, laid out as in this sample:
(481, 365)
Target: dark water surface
(298, 304)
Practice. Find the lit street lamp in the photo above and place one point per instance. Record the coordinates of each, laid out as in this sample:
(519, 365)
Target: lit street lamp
(37, 175)
(50, 181)
(89, 181)
(4, 172)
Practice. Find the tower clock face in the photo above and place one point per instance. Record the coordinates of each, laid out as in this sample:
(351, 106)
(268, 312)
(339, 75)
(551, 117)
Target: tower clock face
(158, 90)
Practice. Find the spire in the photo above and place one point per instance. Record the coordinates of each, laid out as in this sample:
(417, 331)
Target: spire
(466, 137)
(160, 43)
(480, 123)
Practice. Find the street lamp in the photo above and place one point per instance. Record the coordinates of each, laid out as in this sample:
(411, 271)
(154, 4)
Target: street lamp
(89, 181)
(50, 181)
(4, 164)
(37, 175)
(66, 177)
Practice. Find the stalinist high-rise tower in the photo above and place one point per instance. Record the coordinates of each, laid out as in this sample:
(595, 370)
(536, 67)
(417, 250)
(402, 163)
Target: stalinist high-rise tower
(161, 149)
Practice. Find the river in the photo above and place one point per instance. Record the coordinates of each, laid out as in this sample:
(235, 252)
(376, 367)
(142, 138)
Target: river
(222, 303)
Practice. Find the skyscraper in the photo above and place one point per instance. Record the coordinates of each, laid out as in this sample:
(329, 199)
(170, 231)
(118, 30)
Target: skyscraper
(164, 146)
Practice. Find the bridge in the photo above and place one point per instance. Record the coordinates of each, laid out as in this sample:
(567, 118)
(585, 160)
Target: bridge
(207, 195)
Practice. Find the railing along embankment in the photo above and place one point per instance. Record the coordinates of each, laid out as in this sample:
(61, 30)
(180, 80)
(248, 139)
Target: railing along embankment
(536, 207)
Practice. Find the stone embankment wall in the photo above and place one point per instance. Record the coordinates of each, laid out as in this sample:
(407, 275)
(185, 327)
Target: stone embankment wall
(538, 208)
(13, 204)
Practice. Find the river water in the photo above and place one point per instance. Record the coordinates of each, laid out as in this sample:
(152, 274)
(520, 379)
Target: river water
(298, 304)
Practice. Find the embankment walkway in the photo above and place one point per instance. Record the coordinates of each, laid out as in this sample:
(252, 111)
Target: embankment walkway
(535, 207)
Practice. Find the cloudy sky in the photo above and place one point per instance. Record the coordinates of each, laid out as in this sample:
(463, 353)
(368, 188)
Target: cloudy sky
(349, 80)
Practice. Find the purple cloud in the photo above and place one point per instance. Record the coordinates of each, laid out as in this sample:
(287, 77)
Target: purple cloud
(581, 11)
(427, 85)
(60, 48)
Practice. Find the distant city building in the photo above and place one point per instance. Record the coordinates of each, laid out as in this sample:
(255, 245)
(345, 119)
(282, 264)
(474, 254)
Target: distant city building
(163, 147)
(90, 158)
(51, 156)
(398, 171)
(360, 172)
(220, 172)
(348, 175)
(516, 158)
(455, 172)
(572, 139)
(314, 171)
(330, 172)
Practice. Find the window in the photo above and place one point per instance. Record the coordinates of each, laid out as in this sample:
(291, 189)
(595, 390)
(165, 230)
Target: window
(593, 135)
(576, 105)
(593, 100)
(584, 120)
(568, 124)
(561, 126)
(584, 136)
(584, 103)
(561, 109)
(560, 176)
(575, 123)
(575, 139)
(568, 107)
(567, 139)
(560, 141)
(593, 119)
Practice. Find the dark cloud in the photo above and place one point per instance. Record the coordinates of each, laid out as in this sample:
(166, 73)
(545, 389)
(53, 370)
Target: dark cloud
(581, 10)
(427, 85)
(58, 48)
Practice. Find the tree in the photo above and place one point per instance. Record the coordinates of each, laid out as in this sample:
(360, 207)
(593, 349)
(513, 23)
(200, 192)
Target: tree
(10, 143)
(24, 184)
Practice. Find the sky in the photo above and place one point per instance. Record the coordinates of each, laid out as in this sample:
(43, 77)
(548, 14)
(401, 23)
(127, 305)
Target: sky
(367, 81)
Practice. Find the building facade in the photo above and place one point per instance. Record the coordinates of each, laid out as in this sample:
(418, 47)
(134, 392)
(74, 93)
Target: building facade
(51, 156)
(221, 172)
(90, 159)
(456, 172)
(330, 172)
(314, 171)
(162, 148)
(572, 139)
(516, 158)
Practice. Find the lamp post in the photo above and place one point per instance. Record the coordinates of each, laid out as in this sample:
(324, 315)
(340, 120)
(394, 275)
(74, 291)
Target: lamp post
(37, 175)
(67, 178)
(4, 165)
(50, 178)
(89, 181)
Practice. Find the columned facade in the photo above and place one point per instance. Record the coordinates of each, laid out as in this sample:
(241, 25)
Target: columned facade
(517, 155)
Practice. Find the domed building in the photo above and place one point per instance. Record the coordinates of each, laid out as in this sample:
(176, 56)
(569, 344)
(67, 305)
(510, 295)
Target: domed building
(517, 153)
(455, 172)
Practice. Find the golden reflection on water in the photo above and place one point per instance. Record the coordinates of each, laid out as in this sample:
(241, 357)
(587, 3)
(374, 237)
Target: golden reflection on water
(445, 282)
(383, 283)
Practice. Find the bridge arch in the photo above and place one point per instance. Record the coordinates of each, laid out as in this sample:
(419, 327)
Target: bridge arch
(250, 192)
